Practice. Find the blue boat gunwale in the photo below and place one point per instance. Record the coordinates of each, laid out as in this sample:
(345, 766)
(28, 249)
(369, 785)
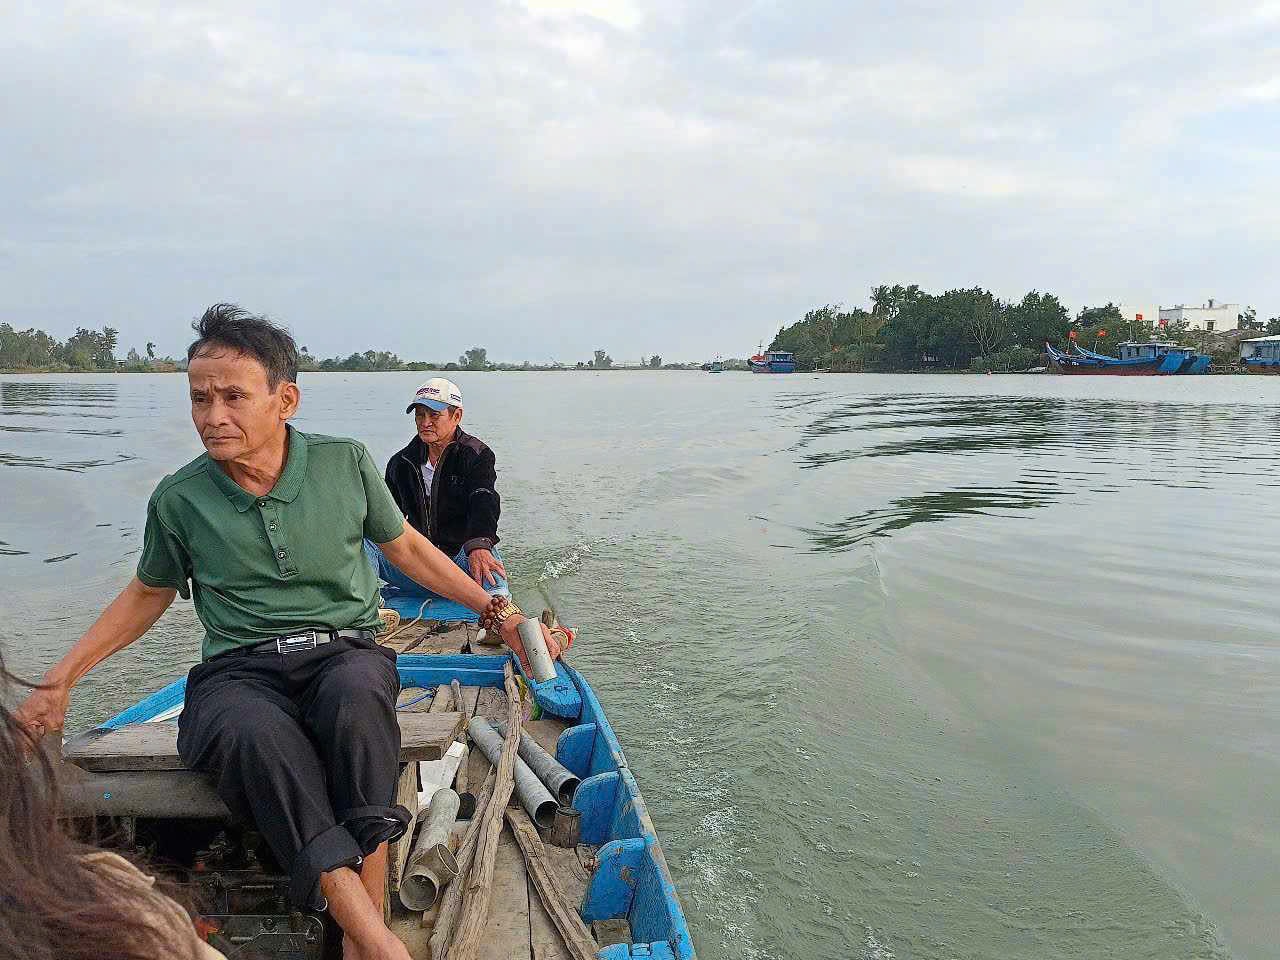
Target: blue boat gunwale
(632, 879)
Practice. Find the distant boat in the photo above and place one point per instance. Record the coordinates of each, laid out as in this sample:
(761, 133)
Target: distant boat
(774, 361)
(1260, 355)
(1149, 359)
(716, 366)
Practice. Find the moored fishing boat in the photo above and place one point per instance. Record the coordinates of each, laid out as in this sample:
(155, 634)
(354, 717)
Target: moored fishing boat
(773, 361)
(1146, 359)
(127, 775)
(1260, 355)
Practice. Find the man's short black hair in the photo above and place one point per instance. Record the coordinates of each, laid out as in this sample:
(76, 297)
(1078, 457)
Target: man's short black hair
(229, 326)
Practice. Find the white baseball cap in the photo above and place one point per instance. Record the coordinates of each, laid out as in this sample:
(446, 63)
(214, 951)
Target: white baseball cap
(436, 394)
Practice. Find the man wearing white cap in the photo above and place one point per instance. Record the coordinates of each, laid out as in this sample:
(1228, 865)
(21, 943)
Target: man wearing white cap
(443, 482)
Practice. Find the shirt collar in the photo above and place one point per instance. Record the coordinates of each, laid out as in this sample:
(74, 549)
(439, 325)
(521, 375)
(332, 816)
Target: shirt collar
(287, 487)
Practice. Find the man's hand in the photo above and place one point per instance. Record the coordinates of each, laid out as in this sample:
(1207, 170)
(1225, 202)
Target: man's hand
(128, 617)
(44, 712)
(511, 637)
(485, 567)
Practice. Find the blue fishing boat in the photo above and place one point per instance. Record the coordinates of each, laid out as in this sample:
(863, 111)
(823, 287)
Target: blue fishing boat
(774, 361)
(1145, 359)
(599, 841)
(1260, 355)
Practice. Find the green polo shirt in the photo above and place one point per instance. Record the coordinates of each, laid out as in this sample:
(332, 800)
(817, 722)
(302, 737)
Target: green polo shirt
(259, 567)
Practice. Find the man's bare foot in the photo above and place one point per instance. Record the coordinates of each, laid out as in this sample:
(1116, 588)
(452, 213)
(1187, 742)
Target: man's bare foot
(390, 948)
(366, 935)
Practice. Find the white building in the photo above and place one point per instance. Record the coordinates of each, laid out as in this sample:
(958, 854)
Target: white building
(1212, 316)
(1136, 314)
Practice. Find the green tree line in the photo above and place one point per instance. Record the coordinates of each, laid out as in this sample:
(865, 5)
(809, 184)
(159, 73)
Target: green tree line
(907, 328)
(34, 349)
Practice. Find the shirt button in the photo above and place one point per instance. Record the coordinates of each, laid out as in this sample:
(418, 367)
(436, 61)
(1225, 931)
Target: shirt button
(279, 554)
(262, 503)
(271, 525)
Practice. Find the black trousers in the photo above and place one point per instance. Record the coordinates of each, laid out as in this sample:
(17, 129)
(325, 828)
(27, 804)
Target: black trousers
(307, 746)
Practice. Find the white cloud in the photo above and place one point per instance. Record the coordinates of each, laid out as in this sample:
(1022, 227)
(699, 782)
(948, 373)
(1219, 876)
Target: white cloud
(518, 168)
(617, 13)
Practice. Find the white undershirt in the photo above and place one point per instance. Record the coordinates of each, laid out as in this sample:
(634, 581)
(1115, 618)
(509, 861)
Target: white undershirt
(428, 472)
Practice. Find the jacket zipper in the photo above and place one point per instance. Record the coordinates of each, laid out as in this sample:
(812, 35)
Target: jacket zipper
(418, 485)
(435, 486)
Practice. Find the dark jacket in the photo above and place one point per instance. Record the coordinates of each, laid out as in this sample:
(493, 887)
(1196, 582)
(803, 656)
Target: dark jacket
(461, 509)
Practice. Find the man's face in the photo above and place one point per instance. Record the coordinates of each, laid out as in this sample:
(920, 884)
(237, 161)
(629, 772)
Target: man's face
(436, 426)
(234, 410)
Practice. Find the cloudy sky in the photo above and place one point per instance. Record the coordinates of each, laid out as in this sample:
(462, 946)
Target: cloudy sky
(550, 176)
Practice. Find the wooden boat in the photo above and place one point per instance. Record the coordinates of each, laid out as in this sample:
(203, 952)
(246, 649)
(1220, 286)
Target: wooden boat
(1147, 359)
(126, 774)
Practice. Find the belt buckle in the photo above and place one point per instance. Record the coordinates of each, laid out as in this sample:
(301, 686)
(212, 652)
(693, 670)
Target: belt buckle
(297, 643)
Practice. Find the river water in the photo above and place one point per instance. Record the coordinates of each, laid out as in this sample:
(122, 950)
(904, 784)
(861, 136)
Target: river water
(914, 667)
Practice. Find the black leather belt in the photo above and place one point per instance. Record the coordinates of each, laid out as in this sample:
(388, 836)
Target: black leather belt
(307, 640)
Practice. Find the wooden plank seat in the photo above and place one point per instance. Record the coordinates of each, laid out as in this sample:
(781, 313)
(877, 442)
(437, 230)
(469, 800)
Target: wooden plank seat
(135, 770)
(154, 746)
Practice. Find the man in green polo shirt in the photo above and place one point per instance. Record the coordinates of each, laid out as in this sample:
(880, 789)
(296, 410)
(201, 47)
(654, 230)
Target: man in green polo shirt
(292, 709)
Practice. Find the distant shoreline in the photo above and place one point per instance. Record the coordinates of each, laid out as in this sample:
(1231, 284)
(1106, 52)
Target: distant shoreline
(57, 371)
(5, 371)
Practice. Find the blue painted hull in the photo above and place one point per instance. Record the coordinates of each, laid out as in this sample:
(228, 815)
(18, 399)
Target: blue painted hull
(772, 367)
(1081, 361)
(1266, 365)
(632, 879)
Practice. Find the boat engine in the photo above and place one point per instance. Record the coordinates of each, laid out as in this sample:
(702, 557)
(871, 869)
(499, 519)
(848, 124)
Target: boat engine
(240, 896)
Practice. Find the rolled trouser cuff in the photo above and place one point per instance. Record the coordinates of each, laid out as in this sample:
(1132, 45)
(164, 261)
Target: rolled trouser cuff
(326, 851)
(373, 826)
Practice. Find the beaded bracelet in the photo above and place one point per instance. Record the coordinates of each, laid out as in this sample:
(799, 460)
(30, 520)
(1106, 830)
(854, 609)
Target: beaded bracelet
(499, 610)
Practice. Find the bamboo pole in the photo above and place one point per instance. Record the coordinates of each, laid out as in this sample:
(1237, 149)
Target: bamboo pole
(459, 704)
(478, 889)
(572, 930)
(448, 906)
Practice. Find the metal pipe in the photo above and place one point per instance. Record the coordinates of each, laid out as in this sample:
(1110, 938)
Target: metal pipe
(548, 769)
(431, 865)
(535, 650)
(534, 796)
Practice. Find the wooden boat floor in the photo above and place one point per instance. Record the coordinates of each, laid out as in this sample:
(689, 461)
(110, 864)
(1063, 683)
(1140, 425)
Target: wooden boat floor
(518, 927)
(431, 636)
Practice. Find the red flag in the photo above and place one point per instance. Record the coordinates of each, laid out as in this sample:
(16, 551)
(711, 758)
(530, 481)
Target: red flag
(1072, 334)
(1102, 333)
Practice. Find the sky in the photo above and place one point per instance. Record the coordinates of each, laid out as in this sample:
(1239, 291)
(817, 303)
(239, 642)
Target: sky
(548, 177)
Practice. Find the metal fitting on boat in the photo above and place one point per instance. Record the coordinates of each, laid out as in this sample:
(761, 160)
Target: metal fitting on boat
(533, 795)
(566, 828)
(547, 768)
(535, 650)
(431, 865)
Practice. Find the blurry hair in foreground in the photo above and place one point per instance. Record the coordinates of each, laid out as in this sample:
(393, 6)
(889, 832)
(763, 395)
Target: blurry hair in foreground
(53, 905)
(230, 327)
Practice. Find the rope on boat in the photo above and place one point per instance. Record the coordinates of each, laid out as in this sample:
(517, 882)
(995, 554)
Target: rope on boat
(418, 699)
(397, 626)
